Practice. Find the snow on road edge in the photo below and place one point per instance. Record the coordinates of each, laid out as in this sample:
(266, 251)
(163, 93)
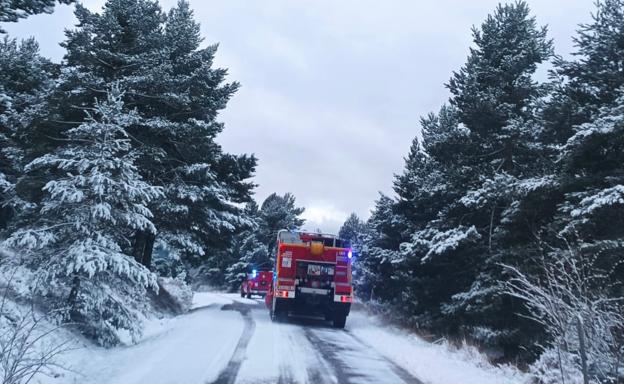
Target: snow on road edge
(431, 363)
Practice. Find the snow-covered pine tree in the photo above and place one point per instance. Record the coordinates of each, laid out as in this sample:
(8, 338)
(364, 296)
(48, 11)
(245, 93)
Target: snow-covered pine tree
(583, 86)
(170, 82)
(278, 212)
(12, 11)
(352, 230)
(78, 240)
(26, 79)
(495, 97)
(439, 242)
(593, 210)
(495, 88)
(437, 257)
(251, 253)
(247, 251)
(590, 179)
(254, 247)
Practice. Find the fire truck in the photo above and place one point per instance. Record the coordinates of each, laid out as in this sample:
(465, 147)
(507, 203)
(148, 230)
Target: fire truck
(312, 277)
(256, 283)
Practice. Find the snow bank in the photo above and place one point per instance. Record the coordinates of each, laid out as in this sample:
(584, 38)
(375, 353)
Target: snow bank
(206, 299)
(176, 293)
(192, 348)
(432, 363)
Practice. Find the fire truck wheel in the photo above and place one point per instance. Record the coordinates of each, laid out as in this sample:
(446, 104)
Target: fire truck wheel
(277, 313)
(249, 295)
(242, 294)
(276, 316)
(340, 321)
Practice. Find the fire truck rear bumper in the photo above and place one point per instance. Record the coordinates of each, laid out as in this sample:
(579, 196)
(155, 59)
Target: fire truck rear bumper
(314, 301)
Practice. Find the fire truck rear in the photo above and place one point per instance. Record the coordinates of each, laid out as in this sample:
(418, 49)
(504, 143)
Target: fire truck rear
(312, 277)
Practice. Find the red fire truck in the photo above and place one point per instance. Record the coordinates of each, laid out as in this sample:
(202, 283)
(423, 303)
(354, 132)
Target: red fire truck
(256, 283)
(312, 277)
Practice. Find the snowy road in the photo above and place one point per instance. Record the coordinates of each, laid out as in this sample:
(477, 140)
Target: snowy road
(303, 350)
(228, 340)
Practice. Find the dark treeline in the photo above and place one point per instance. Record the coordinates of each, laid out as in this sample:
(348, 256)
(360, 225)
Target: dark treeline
(510, 206)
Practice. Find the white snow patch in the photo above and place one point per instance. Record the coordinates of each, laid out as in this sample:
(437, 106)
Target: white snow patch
(205, 299)
(192, 348)
(431, 363)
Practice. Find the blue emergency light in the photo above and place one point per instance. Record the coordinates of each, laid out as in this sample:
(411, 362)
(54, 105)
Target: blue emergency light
(350, 254)
(254, 273)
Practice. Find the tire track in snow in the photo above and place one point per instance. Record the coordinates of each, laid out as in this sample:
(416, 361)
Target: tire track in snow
(228, 375)
(400, 371)
(354, 361)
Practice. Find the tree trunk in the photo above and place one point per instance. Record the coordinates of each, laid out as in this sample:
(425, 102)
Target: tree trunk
(143, 247)
(6, 214)
(72, 299)
(148, 250)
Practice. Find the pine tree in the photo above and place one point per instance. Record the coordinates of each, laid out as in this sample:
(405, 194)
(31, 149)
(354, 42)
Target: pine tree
(252, 254)
(247, 250)
(495, 89)
(170, 82)
(78, 238)
(584, 117)
(593, 210)
(441, 240)
(12, 11)
(276, 213)
(352, 230)
(255, 247)
(26, 79)
(496, 97)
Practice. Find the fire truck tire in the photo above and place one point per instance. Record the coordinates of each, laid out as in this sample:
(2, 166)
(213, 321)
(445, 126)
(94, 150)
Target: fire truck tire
(277, 316)
(340, 321)
(242, 294)
(277, 313)
(249, 295)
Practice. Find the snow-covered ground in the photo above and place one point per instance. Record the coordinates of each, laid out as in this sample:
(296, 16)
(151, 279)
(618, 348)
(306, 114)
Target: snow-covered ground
(241, 345)
(192, 348)
(432, 363)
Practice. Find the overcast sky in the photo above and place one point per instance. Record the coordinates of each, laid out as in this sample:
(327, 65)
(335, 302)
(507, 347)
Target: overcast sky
(332, 91)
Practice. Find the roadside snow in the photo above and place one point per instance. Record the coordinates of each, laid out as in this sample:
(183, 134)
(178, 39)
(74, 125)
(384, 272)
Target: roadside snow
(191, 348)
(432, 363)
(197, 347)
(206, 299)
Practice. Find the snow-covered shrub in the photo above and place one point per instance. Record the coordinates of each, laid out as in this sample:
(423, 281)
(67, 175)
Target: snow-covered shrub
(28, 342)
(176, 292)
(556, 367)
(573, 302)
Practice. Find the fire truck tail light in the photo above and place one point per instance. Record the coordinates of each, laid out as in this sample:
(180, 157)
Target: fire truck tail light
(343, 298)
(285, 294)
